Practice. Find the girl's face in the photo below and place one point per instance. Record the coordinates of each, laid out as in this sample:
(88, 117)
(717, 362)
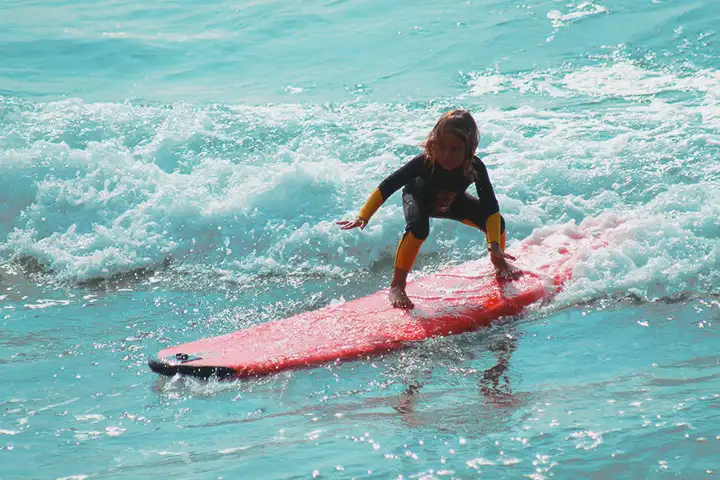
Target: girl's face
(449, 151)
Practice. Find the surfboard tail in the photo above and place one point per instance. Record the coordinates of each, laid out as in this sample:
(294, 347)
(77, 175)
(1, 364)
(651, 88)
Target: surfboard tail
(170, 369)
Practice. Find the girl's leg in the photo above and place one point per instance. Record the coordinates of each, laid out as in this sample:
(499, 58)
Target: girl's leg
(503, 235)
(470, 211)
(416, 231)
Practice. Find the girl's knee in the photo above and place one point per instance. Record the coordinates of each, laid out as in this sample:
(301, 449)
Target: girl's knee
(420, 230)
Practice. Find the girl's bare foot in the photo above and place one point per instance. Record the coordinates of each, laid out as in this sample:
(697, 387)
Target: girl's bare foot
(398, 297)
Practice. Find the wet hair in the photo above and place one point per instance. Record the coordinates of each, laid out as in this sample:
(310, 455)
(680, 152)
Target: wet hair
(461, 124)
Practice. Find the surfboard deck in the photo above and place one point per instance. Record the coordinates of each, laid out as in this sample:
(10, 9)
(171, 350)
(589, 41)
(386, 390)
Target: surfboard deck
(452, 301)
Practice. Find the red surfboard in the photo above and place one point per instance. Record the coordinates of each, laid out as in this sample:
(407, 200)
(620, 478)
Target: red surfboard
(449, 302)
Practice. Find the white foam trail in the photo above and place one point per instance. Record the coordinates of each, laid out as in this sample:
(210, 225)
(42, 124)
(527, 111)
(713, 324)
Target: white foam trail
(583, 10)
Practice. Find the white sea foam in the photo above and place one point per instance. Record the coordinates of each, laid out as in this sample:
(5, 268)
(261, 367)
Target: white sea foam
(622, 78)
(584, 9)
(257, 190)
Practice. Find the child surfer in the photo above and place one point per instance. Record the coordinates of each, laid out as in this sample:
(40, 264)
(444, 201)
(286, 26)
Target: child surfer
(434, 186)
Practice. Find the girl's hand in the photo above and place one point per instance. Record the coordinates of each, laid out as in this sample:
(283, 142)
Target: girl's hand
(350, 224)
(496, 252)
(503, 268)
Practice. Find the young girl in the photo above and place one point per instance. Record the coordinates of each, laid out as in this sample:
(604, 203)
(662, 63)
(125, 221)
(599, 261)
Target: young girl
(434, 186)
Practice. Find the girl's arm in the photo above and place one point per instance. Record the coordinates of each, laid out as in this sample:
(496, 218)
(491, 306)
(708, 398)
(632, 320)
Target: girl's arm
(486, 194)
(390, 185)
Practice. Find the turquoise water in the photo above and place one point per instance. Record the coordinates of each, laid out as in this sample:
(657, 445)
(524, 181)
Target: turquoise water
(173, 170)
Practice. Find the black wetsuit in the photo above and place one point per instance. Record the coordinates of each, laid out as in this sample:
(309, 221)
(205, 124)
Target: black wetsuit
(432, 191)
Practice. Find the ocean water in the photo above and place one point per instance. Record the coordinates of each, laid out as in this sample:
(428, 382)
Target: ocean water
(174, 170)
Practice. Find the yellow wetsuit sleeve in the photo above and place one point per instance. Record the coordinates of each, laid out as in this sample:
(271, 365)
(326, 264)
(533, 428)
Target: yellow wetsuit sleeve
(492, 227)
(371, 205)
